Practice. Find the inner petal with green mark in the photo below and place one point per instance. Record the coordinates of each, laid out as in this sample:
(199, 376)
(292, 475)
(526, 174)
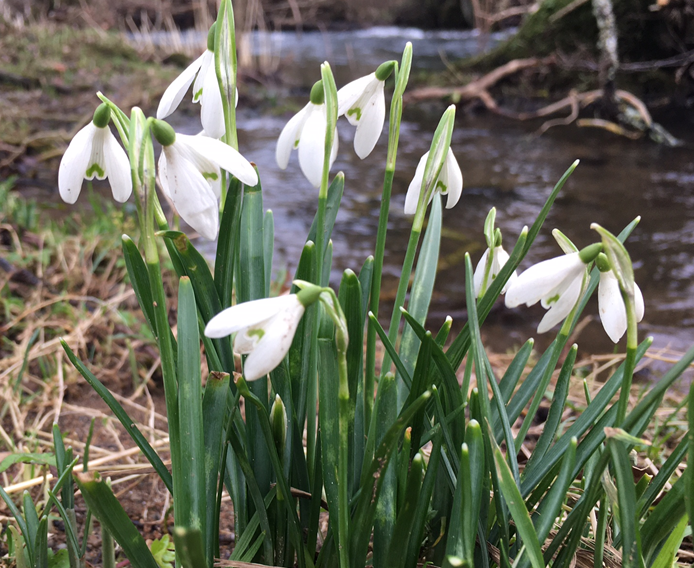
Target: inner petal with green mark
(353, 111)
(197, 95)
(95, 169)
(442, 187)
(210, 176)
(554, 299)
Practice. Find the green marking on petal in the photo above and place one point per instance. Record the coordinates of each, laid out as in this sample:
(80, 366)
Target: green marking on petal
(296, 143)
(95, 169)
(355, 110)
(442, 187)
(197, 95)
(554, 299)
(210, 176)
(258, 333)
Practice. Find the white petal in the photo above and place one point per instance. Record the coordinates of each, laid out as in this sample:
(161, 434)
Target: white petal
(613, 314)
(638, 300)
(274, 345)
(348, 95)
(415, 188)
(73, 165)
(97, 166)
(221, 155)
(312, 145)
(289, 138)
(540, 279)
(117, 169)
(500, 259)
(191, 194)
(205, 66)
(175, 92)
(163, 175)
(454, 179)
(212, 112)
(370, 127)
(568, 297)
(247, 314)
(478, 276)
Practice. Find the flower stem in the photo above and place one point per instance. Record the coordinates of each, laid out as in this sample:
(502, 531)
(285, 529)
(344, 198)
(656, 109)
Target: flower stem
(375, 295)
(630, 361)
(160, 311)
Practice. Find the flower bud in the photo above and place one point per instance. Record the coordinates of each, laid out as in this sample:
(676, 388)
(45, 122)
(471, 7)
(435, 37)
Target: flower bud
(278, 423)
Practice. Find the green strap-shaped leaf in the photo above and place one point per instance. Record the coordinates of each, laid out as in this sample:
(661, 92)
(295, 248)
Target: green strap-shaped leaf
(122, 415)
(516, 506)
(335, 191)
(192, 500)
(109, 512)
(403, 525)
(508, 383)
(190, 547)
(206, 298)
(228, 242)
(137, 271)
(631, 542)
(422, 289)
(41, 544)
(214, 414)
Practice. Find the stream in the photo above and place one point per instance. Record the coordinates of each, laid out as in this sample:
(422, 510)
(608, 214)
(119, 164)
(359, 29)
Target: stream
(504, 165)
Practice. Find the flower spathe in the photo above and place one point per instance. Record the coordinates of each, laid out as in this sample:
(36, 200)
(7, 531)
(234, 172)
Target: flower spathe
(556, 283)
(449, 182)
(189, 173)
(264, 331)
(363, 103)
(499, 259)
(613, 314)
(94, 152)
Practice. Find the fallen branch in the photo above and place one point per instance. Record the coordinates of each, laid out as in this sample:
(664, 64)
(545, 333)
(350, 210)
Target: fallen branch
(473, 90)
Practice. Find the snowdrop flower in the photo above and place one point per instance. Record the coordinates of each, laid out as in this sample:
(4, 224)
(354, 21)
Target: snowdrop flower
(95, 152)
(205, 91)
(264, 329)
(449, 182)
(613, 313)
(306, 131)
(499, 259)
(189, 172)
(556, 283)
(364, 104)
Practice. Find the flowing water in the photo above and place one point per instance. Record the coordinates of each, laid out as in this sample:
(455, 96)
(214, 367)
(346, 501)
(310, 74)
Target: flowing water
(504, 165)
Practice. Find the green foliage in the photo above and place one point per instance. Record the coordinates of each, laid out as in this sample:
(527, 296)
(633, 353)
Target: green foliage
(421, 467)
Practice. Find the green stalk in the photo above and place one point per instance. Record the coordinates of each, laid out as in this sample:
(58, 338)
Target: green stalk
(438, 152)
(559, 344)
(630, 361)
(161, 317)
(342, 342)
(402, 76)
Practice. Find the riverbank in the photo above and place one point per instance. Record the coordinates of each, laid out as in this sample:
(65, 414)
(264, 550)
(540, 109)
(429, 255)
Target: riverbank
(49, 76)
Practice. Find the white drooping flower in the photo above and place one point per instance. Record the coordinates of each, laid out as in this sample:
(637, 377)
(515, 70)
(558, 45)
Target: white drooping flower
(363, 103)
(306, 131)
(613, 313)
(449, 182)
(95, 152)
(556, 283)
(264, 330)
(205, 91)
(189, 173)
(499, 259)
